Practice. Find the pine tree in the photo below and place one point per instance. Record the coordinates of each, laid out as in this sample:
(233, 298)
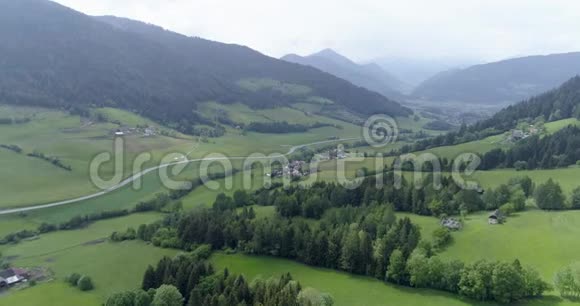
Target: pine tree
(149, 279)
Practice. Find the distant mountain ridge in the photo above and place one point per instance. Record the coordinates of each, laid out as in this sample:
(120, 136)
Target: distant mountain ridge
(506, 81)
(53, 56)
(560, 103)
(414, 71)
(369, 76)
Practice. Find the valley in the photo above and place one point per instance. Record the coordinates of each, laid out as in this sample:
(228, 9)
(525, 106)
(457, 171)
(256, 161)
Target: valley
(142, 166)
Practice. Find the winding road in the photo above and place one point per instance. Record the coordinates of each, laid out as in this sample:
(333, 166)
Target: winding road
(146, 171)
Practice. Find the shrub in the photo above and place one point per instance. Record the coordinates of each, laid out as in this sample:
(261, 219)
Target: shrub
(85, 283)
(441, 237)
(73, 279)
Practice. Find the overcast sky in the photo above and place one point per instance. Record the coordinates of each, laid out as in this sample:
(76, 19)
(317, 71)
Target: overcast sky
(366, 29)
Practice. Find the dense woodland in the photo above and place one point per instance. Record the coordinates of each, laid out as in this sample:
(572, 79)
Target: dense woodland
(559, 150)
(279, 127)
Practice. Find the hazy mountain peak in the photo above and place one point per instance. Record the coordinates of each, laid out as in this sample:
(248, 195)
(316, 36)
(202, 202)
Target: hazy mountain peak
(504, 81)
(370, 76)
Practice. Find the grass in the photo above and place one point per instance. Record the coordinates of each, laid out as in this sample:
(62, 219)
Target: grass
(55, 293)
(76, 142)
(72, 140)
(113, 266)
(62, 240)
(552, 127)
(204, 196)
(547, 241)
(567, 177)
(346, 289)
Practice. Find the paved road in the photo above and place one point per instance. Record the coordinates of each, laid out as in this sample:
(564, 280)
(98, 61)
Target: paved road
(146, 171)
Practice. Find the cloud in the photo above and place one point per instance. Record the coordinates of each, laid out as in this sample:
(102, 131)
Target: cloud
(365, 29)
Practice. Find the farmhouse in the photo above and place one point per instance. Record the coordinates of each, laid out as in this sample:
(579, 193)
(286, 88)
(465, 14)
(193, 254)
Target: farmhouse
(495, 217)
(11, 276)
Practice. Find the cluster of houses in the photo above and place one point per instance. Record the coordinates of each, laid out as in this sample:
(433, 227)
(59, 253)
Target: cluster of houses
(12, 276)
(496, 217)
(144, 131)
(337, 153)
(517, 135)
(295, 169)
(451, 224)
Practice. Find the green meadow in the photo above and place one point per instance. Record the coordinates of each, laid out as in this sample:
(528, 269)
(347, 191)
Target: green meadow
(567, 177)
(55, 293)
(112, 266)
(76, 141)
(548, 241)
(348, 289)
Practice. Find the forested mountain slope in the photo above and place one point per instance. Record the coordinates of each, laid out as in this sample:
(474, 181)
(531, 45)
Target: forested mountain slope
(54, 56)
(554, 105)
(370, 76)
(557, 104)
(505, 81)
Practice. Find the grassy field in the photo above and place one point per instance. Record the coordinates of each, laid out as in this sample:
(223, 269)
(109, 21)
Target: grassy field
(75, 142)
(567, 178)
(62, 240)
(55, 293)
(552, 127)
(113, 266)
(348, 289)
(124, 198)
(546, 241)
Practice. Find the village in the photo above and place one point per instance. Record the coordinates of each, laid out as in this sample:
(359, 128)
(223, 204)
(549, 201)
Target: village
(297, 169)
(145, 131)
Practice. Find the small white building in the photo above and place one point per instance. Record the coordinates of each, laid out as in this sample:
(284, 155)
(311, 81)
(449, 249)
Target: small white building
(10, 277)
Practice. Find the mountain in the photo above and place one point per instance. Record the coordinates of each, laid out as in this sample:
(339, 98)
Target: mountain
(414, 71)
(560, 103)
(370, 76)
(53, 56)
(505, 81)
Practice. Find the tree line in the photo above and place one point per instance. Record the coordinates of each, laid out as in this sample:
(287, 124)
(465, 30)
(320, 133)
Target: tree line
(189, 279)
(551, 151)
(51, 159)
(366, 240)
(282, 127)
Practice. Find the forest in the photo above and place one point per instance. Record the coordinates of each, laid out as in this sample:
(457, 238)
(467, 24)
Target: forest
(356, 231)
(558, 150)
